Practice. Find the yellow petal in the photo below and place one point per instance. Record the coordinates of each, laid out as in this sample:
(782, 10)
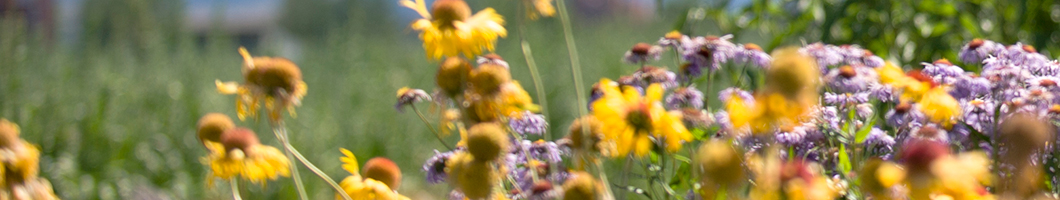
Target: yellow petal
(227, 87)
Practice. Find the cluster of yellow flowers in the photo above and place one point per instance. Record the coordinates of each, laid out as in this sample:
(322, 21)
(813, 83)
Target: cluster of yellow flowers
(19, 166)
(933, 99)
(236, 151)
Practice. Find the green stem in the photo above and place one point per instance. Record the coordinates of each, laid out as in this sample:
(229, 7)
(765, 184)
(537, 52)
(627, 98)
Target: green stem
(235, 190)
(530, 63)
(281, 132)
(572, 51)
(431, 127)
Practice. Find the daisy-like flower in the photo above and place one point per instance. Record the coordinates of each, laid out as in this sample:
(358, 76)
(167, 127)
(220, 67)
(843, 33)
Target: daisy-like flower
(978, 49)
(753, 54)
(449, 29)
(19, 165)
(527, 122)
(276, 81)
(686, 97)
(364, 187)
(631, 120)
(240, 154)
(641, 53)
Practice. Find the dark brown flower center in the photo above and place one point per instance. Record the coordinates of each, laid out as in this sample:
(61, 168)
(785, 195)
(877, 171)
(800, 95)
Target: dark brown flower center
(641, 48)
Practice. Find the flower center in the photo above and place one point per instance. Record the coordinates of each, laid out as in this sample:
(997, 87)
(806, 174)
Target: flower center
(976, 43)
(639, 117)
(445, 12)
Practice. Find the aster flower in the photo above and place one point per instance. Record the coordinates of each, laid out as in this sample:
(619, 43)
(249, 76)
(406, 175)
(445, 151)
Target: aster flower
(942, 71)
(542, 150)
(977, 50)
(751, 53)
(696, 118)
(729, 93)
(685, 97)
(492, 59)
(845, 99)
(904, 114)
(527, 122)
(825, 55)
(241, 154)
(884, 93)
(407, 97)
(707, 52)
(631, 120)
(435, 167)
(967, 87)
(449, 29)
(276, 81)
(849, 79)
(648, 75)
(878, 143)
(672, 39)
(1024, 55)
(368, 188)
(641, 53)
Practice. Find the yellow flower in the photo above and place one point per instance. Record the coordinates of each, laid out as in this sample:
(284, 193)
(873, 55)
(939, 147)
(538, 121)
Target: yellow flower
(240, 154)
(450, 29)
(276, 81)
(363, 188)
(939, 107)
(911, 88)
(511, 98)
(535, 8)
(631, 120)
(768, 112)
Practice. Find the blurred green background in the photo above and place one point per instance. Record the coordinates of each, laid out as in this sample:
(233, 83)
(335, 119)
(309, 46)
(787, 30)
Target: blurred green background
(111, 89)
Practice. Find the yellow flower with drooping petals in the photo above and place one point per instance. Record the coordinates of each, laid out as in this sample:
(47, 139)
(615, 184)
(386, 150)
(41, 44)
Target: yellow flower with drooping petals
(257, 163)
(275, 81)
(535, 8)
(631, 120)
(363, 188)
(449, 29)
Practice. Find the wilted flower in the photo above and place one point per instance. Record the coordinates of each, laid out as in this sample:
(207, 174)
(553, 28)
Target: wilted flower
(407, 97)
(449, 29)
(240, 153)
(277, 81)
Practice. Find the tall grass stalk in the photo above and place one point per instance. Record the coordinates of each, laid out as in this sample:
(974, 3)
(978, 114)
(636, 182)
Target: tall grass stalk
(281, 133)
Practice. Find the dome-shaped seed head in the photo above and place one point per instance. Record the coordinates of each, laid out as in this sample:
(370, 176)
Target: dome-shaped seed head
(487, 141)
(448, 11)
(1023, 134)
(847, 71)
(8, 133)
(452, 75)
(273, 75)
(212, 125)
(383, 170)
(239, 138)
(474, 178)
(640, 48)
(487, 78)
(792, 74)
(719, 163)
(582, 186)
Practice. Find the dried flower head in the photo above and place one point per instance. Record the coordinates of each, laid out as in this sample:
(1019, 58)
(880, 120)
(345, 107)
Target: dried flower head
(407, 97)
(276, 81)
(212, 125)
(383, 170)
(492, 58)
(487, 141)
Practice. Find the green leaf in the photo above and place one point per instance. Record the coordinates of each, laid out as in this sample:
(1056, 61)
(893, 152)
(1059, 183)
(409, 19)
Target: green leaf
(864, 132)
(682, 158)
(844, 159)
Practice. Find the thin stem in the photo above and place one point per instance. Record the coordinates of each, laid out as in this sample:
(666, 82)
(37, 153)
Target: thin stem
(429, 126)
(572, 51)
(281, 132)
(530, 63)
(235, 190)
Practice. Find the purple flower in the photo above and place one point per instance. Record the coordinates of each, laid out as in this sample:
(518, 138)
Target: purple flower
(884, 93)
(942, 71)
(727, 94)
(527, 122)
(848, 79)
(753, 54)
(542, 150)
(686, 97)
(407, 97)
(977, 50)
(878, 143)
(903, 114)
(845, 99)
(864, 110)
(648, 75)
(642, 53)
(826, 55)
(435, 167)
(707, 52)
(970, 87)
(1023, 55)
(829, 117)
